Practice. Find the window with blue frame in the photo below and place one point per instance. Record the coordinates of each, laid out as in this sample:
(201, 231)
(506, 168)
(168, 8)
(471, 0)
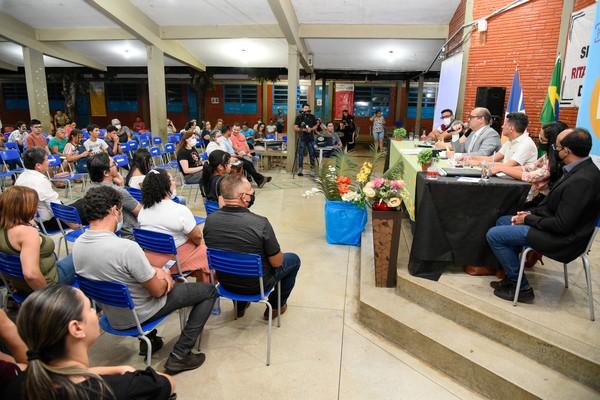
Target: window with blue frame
(56, 100)
(174, 98)
(280, 97)
(368, 99)
(428, 103)
(122, 97)
(15, 96)
(240, 99)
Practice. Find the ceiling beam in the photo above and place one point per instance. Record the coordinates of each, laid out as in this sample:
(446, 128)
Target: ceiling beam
(400, 31)
(283, 10)
(24, 35)
(133, 20)
(271, 31)
(7, 66)
(79, 34)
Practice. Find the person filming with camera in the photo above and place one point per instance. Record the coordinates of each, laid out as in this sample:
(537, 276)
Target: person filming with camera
(305, 125)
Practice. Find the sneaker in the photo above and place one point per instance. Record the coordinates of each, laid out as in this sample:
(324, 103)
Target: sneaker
(300, 173)
(157, 343)
(501, 284)
(275, 313)
(508, 293)
(265, 180)
(190, 361)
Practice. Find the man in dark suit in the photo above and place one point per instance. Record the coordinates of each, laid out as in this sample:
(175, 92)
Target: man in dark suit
(560, 226)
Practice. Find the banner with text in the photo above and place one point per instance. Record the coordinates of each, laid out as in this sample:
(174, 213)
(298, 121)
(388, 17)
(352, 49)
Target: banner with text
(576, 56)
(344, 99)
(97, 99)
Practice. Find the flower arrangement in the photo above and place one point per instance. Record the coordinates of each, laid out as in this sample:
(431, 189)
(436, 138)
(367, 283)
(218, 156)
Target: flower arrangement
(339, 180)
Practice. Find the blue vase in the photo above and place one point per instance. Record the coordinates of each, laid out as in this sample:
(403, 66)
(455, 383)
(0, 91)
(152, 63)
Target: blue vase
(344, 222)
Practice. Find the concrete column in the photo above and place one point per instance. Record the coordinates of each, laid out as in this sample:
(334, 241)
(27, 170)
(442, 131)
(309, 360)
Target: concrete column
(565, 20)
(397, 116)
(37, 89)
(157, 91)
(312, 99)
(329, 91)
(293, 77)
(419, 106)
(460, 104)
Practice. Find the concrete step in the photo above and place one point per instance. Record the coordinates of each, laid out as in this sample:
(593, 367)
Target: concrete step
(487, 349)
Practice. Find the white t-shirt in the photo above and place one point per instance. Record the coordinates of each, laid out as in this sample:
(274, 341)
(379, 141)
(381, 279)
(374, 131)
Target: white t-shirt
(168, 217)
(271, 128)
(95, 147)
(135, 181)
(215, 146)
(523, 150)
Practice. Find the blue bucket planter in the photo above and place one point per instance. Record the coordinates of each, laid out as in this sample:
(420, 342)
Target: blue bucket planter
(344, 222)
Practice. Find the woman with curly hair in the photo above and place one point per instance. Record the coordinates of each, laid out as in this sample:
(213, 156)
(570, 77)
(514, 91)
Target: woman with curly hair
(58, 325)
(162, 214)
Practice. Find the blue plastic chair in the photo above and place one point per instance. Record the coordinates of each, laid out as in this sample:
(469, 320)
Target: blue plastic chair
(160, 243)
(157, 141)
(121, 160)
(135, 193)
(12, 146)
(169, 152)
(248, 265)
(586, 268)
(144, 143)
(117, 294)
(54, 160)
(210, 206)
(156, 152)
(10, 267)
(67, 214)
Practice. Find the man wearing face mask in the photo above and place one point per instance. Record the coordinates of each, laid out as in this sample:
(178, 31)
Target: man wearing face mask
(255, 236)
(560, 226)
(101, 255)
(304, 125)
(18, 135)
(440, 132)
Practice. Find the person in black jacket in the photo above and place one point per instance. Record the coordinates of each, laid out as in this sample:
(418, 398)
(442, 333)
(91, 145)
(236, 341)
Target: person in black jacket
(561, 225)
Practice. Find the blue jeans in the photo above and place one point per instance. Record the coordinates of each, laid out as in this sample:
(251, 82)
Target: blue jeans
(311, 153)
(507, 241)
(66, 270)
(201, 297)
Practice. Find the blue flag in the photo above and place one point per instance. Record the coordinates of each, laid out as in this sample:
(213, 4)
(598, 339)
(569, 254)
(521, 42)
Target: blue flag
(515, 99)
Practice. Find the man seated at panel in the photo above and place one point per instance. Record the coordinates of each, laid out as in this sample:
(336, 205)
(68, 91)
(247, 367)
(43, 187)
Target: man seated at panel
(253, 235)
(560, 227)
(440, 132)
(103, 172)
(101, 255)
(483, 140)
(519, 149)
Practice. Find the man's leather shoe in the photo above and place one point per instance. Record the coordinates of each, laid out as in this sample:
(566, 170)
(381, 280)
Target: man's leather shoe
(508, 293)
(190, 361)
(275, 313)
(300, 173)
(501, 284)
(241, 311)
(478, 270)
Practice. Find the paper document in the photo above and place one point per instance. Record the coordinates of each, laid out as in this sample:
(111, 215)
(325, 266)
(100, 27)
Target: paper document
(466, 179)
(411, 152)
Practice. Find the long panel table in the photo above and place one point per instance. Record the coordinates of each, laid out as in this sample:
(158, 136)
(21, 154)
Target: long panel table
(451, 218)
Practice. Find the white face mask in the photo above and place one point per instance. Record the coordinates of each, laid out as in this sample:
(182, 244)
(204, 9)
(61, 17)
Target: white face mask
(447, 121)
(219, 139)
(118, 127)
(192, 142)
(174, 193)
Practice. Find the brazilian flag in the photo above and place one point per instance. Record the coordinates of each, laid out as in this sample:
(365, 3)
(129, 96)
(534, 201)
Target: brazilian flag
(550, 110)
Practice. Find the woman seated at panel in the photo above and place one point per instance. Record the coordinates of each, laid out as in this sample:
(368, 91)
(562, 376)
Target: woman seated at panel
(18, 205)
(215, 168)
(75, 152)
(260, 135)
(161, 214)
(188, 158)
(140, 165)
(58, 325)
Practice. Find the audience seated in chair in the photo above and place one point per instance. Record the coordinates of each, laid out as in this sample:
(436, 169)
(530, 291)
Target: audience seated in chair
(188, 158)
(236, 145)
(58, 326)
(140, 165)
(253, 234)
(99, 254)
(215, 142)
(18, 205)
(75, 152)
(161, 214)
(215, 169)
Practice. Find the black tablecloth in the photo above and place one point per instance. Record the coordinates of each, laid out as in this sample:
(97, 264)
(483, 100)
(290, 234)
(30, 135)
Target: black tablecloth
(452, 219)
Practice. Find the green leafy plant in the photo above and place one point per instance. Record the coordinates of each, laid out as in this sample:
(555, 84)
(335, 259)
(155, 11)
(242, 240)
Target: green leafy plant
(399, 132)
(425, 157)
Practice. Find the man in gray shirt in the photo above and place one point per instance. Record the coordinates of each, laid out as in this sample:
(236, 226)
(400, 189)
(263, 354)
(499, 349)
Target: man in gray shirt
(101, 255)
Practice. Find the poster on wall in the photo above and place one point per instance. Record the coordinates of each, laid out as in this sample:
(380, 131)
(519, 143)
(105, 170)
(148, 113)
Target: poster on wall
(344, 99)
(589, 109)
(576, 56)
(97, 99)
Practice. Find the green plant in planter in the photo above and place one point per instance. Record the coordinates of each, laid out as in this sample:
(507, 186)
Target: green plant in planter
(399, 133)
(425, 157)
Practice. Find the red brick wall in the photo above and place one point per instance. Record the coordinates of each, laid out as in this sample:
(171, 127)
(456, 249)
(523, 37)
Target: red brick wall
(456, 23)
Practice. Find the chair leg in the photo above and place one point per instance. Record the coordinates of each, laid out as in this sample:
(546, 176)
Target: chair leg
(588, 278)
(149, 354)
(566, 275)
(269, 333)
(518, 288)
(279, 304)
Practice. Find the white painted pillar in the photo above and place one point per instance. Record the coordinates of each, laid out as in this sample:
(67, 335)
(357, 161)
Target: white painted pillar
(37, 88)
(157, 91)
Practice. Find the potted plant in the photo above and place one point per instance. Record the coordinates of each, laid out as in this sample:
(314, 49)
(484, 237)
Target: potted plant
(399, 132)
(425, 158)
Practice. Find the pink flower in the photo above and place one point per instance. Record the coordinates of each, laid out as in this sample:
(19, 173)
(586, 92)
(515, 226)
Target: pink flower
(399, 184)
(378, 182)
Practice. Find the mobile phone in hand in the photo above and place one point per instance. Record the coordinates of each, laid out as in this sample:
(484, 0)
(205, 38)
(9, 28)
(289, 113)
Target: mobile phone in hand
(168, 265)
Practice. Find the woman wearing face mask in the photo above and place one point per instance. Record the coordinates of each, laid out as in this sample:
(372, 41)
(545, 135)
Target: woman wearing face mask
(188, 158)
(215, 142)
(161, 214)
(18, 206)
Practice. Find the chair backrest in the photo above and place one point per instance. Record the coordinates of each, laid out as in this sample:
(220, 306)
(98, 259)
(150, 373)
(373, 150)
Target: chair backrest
(125, 146)
(210, 206)
(121, 160)
(169, 148)
(65, 213)
(157, 140)
(135, 193)
(594, 233)
(144, 143)
(155, 241)
(176, 200)
(54, 160)
(271, 136)
(8, 155)
(243, 264)
(12, 145)
(284, 138)
(146, 136)
(114, 294)
(10, 264)
(133, 144)
(204, 156)
(155, 151)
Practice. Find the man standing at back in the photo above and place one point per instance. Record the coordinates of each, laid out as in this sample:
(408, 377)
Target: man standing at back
(305, 125)
(560, 227)
(253, 235)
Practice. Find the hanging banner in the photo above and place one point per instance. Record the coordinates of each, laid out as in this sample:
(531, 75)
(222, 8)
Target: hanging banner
(97, 99)
(589, 110)
(576, 56)
(344, 99)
